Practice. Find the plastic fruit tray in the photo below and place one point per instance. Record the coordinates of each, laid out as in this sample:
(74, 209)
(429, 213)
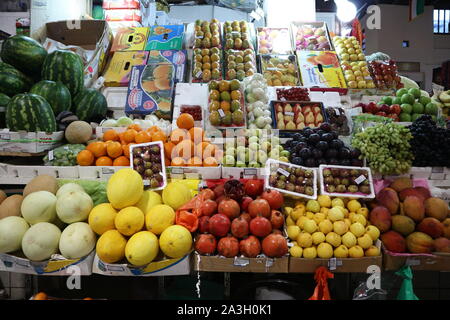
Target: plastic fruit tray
(142, 152)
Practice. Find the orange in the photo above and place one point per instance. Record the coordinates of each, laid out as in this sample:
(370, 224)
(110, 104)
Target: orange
(129, 135)
(168, 147)
(159, 136)
(225, 106)
(143, 137)
(98, 148)
(167, 162)
(178, 162)
(179, 135)
(209, 151)
(111, 135)
(126, 149)
(85, 158)
(135, 126)
(200, 149)
(185, 121)
(195, 162)
(114, 149)
(121, 138)
(210, 162)
(153, 129)
(121, 161)
(40, 296)
(184, 149)
(104, 161)
(196, 134)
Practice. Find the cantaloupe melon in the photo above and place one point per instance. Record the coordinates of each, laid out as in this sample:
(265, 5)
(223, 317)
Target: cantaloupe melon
(38, 207)
(77, 240)
(74, 206)
(78, 132)
(42, 182)
(11, 206)
(12, 230)
(41, 241)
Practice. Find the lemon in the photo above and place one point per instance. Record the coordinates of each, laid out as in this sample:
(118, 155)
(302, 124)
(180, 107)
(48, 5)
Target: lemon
(335, 214)
(148, 200)
(129, 221)
(318, 238)
(365, 241)
(341, 251)
(373, 231)
(293, 232)
(357, 229)
(349, 239)
(359, 218)
(348, 222)
(159, 218)
(310, 226)
(111, 246)
(372, 251)
(296, 251)
(353, 205)
(324, 201)
(310, 253)
(334, 239)
(325, 226)
(313, 206)
(337, 202)
(356, 252)
(101, 218)
(175, 241)
(304, 240)
(325, 250)
(142, 248)
(175, 194)
(340, 227)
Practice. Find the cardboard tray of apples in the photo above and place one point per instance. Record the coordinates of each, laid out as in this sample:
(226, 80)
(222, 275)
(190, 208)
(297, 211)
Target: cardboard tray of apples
(312, 114)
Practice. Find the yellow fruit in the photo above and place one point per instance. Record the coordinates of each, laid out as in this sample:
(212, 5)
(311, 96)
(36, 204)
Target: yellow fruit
(159, 218)
(129, 221)
(341, 252)
(348, 222)
(364, 212)
(334, 239)
(142, 248)
(309, 215)
(293, 232)
(304, 240)
(365, 241)
(356, 252)
(148, 200)
(324, 201)
(310, 253)
(310, 226)
(111, 246)
(324, 210)
(325, 250)
(351, 215)
(335, 214)
(353, 205)
(357, 229)
(298, 212)
(326, 226)
(301, 221)
(319, 217)
(175, 194)
(337, 202)
(299, 203)
(175, 241)
(373, 232)
(296, 251)
(349, 240)
(313, 206)
(289, 221)
(101, 218)
(359, 218)
(340, 227)
(287, 210)
(318, 237)
(125, 188)
(372, 251)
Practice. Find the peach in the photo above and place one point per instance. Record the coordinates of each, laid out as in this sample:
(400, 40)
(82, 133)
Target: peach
(394, 241)
(442, 245)
(424, 191)
(388, 198)
(403, 224)
(446, 224)
(411, 192)
(432, 227)
(414, 208)
(436, 208)
(380, 217)
(401, 184)
(419, 242)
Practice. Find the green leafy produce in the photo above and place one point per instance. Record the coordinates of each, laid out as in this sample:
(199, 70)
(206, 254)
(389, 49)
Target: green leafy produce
(386, 148)
(65, 155)
(95, 189)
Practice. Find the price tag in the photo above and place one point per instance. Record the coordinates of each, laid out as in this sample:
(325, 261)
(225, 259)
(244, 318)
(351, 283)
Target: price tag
(269, 262)
(289, 114)
(146, 182)
(177, 171)
(360, 179)
(412, 262)
(221, 113)
(50, 155)
(250, 172)
(66, 148)
(241, 262)
(198, 37)
(199, 74)
(283, 172)
(107, 171)
(332, 264)
(272, 69)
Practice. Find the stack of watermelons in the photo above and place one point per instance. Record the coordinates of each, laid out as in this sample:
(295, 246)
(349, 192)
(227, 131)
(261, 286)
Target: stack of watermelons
(39, 89)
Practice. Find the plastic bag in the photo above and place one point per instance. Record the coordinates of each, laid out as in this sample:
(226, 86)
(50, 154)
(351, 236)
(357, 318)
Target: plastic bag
(406, 291)
(188, 214)
(244, 5)
(321, 291)
(65, 155)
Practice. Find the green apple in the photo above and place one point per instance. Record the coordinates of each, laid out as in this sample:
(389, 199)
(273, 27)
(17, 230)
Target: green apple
(240, 164)
(431, 109)
(405, 117)
(284, 159)
(285, 154)
(275, 141)
(253, 164)
(266, 146)
(408, 98)
(274, 154)
(401, 92)
(240, 149)
(230, 143)
(415, 92)
(262, 157)
(280, 148)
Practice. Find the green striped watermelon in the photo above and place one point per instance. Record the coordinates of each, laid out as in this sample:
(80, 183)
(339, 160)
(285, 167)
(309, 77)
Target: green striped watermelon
(30, 112)
(24, 53)
(4, 99)
(12, 81)
(90, 105)
(64, 66)
(55, 93)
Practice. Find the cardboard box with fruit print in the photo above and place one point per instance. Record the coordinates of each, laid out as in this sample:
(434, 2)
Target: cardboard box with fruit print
(130, 39)
(151, 87)
(165, 38)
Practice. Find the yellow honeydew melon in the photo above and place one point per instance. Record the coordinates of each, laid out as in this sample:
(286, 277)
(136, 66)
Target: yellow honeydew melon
(77, 240)
(69, 187)
(142, 248)
(38, 207)
(74, 206)
(125, 188)
(175, 241)
(148, 200)
(176, 194)
(41, 241)
(12, 230)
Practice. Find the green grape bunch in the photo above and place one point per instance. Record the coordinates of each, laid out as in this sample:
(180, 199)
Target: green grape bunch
(386, 148)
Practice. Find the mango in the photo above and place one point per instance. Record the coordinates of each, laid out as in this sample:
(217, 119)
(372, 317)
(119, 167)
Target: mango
(436, 208)
(414, 208)
(442, 245)
(419, 242)
(410, 192)
(388, 198)
(403, 224)
(446, 224)
(401, 184)
(380, 217)
(431, 226)
(394, 241)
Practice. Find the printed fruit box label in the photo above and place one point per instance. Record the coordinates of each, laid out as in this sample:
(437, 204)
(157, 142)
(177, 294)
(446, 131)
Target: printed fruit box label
(165, 38)
(130, 39)
(119, 69)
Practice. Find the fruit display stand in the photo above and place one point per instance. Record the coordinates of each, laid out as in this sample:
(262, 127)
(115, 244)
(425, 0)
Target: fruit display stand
(423, 262)
(28, 142)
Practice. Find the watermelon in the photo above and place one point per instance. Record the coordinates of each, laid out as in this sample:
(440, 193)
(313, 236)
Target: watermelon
(55, 93)
(12, 81)
(30, 112)
(90, 105)
(4, 99)
(64, 66)
(24, 53)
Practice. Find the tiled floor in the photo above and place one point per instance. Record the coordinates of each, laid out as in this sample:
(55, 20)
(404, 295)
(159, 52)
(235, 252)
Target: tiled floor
(14, 285)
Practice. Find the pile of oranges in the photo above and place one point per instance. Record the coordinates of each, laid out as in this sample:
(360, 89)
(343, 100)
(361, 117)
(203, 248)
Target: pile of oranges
(114, 150)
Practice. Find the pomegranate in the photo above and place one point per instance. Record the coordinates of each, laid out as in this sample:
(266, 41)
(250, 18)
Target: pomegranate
(209, 207)
(250, 247)
(230, 208)
(276, 219)
(259, 207)
(274, 246)
(228, 247)
(239, 227)
(203, 224)
(234, 189)
(205, 244)
(219, 190)
(277, 231)
(219, 225)
(245, 202)
(260, 226)
(220, 199)
(254, 187)
(246, 216)
(208, 194)
(274, 198)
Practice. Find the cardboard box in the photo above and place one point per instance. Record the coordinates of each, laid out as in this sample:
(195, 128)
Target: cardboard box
(320, 69)
(200, 173)
(165, 37)
(90, 39)
(240, 264)
(31, 142)
(166, 267)
(118, 71)
(130, 39)
(59, 266)
(123, 15)
(335, 265)
(423, 262)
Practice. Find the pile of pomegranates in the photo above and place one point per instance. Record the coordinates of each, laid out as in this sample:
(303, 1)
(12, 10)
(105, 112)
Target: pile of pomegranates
(241, 219)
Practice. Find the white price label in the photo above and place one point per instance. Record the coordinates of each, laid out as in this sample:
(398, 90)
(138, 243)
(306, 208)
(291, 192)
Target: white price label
(146, 182)
(241, 262)
(360, 179)
(199, 74)
(283, 172)
(250, 172)
(107, 171)
(50, 155)
(177, 171)
(289, 114)
(221, 113)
